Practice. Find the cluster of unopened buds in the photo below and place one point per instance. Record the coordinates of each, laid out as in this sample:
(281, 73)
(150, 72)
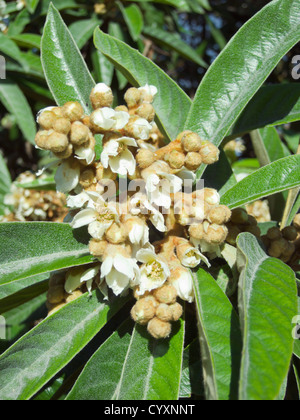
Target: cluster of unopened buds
(28, 205)
(147, 232)
(240, 222)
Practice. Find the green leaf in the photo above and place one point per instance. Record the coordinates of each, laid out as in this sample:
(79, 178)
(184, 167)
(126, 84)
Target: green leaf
(32, 5)
(174, 42)
(191, 378)
(242, 67)
(39, 355)
(5, 179)
(139, 71)
(103, 68)
(16, 103)
(14, 294)
(272, 105)
(10, 49)
(281, 175)
(216, 33)
(268, 303)
(267, 145)
(29, 249)
(134, 19)
(220, 338)
(133, 366)
(41, 184)
(66, 72)
(82, 31)
(28, 40)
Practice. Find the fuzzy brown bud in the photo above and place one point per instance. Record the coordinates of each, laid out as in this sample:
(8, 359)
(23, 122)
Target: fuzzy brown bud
(175, 159)
(79, 133)
(274, 233)
(46, 120)
(146, 111)
(239, 216)
(133, 97)
(143, 311)
(116, 234)
(166, 294)
(159, 329)
(290, 233)
(216, 234)
(219, 215)
(101, 96)
(164, 312)
(192, 161)
(145, 158)
(97, 248)
(197, 231)
(73, 111)
(209, 153)
(57, 142)
(62, 125)
(66, 153)
(191, 142)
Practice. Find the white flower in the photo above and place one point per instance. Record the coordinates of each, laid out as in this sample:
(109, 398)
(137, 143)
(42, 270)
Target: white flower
(76, 277)
(101, 88)
(85, 153)
(140, 205)
(190, 256)
(149, 90)
(67, 177)
(80, 200)
(138, 231)
(117, 156)
(160, 186)
(141, 129)
(181, 279)
(154, 271)
(109, 119)
(119, 272)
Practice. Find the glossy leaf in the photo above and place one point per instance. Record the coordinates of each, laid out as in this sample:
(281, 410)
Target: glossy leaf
(272, 105)
(242, 67)
(66, 72)
(133, 367)
(16, 103)
(268, 303)
(39, 355)
(29, 249)
(220, 338)
(139, 71)
(281, 175)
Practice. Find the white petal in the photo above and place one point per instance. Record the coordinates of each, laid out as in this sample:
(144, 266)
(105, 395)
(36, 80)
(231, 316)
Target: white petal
(90, 274)
(106, 266)
(117, 281)
(125, 266)
(149, 89)
(104, 118)
(83, 218)
(121, 120)
(146, 255)
(85, 153)
(67, 178)
(184, 286)
(97, 229)
(77, 201)
(73, 282)
(101, 88)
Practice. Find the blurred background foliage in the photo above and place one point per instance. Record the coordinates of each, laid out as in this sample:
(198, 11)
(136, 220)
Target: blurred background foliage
(183, 37)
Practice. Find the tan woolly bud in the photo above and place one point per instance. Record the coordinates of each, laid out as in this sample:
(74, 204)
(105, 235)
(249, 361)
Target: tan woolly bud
(145, 158)
(191, 142)
(290, 233)
(97, 248)
(255, 230)
(233, 233)
(75, 295)
(66, 153)
(101, 96)
(278, 247)
(193, 161)
(209, 153)
(197, 231)
(177, 311)
(46, 120)
(105, 174)
(56, 294)
(41, 139)
(122, 108)
(219, 215)
(57, 142)
(54, 308)
(164, 312)
(211, 196)
(216, 234)
(133, 97)
(58, 111)
(62, 125)
(239, 216)
(159, 329)
(175, 159)
(274, 233)
(296, 222)
(166, 294)
(79, 133)
(116, 234)
(183, 134)
(143, 311)
(73, 111)
(146, 111)
(87, 177)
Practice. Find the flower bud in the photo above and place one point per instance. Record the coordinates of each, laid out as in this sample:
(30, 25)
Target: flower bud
(177, 311)
(73, 111)
(274, 233)
(56, 294)
(216, 234)
(122, 108)
(145, 158)
(57, 142)
(175, 159)
(164, 312)
(255, 230)
(41, 139)
(46, 120)
(62, 125)
(219, 215)
(138, 128)
(79, 133)
(159, 329)
(192, 161)
(239, 216)
(197, 231)
(87, 177)
(146, 111)
(116, 234)
(143, 311)
(101, 96)
(278, 247)
(166, 294)
(188, 255)
(290, 233)
(211, 196)
(209, 153)
(97, 248)
(66, 153)
(191, 142)
(133, 97)
(233, 233)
